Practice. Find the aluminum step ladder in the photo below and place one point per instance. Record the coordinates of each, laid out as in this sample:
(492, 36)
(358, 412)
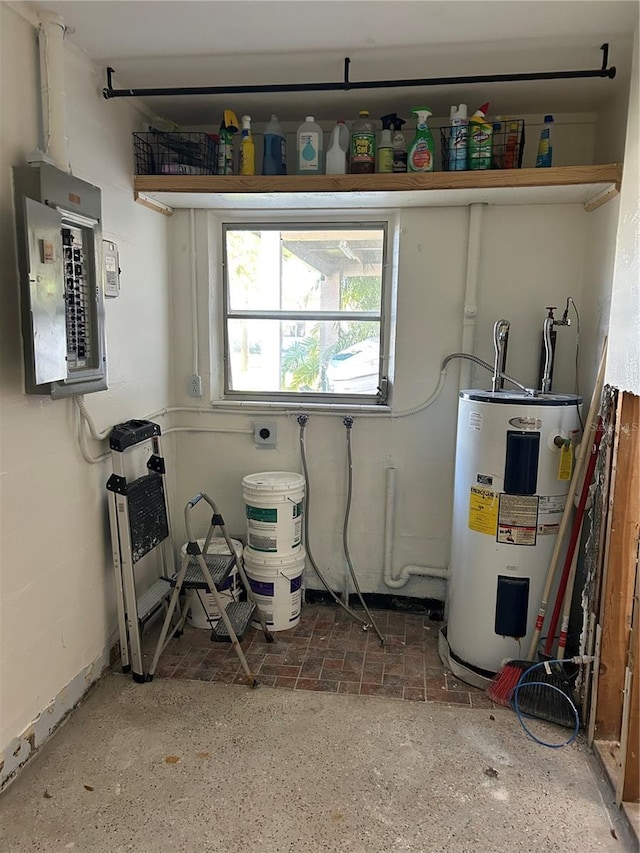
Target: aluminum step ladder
(139, 522)
(200, 570)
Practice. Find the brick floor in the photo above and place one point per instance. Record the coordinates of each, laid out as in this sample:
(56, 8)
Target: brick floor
(327, 651)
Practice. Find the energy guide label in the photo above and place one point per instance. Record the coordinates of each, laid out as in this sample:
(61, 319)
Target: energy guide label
(483, 510)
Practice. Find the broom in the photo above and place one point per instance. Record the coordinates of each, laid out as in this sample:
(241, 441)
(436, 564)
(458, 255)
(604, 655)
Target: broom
(538, 700)
(505, 681)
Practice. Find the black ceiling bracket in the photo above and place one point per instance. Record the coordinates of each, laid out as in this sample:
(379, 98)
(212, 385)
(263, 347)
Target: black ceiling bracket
(347, 85)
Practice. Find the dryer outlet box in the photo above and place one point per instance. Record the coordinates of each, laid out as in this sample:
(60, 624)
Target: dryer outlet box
(265, 433)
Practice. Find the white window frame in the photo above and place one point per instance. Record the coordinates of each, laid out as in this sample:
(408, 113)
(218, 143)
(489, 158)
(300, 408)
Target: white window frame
(283, 220)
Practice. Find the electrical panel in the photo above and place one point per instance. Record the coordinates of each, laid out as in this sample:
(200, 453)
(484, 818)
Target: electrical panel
(59, 229)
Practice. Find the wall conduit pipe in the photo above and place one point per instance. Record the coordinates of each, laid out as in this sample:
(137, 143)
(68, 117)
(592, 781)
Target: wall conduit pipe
(51, 32)
(409, 570)
(471, 290)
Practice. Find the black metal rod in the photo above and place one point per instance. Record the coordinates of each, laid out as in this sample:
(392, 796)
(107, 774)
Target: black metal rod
(346, 84)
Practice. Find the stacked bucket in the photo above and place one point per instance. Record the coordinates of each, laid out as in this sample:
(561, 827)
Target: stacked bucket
(274, 557)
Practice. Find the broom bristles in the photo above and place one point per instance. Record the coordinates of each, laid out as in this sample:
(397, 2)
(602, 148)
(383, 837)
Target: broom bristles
(504, 682)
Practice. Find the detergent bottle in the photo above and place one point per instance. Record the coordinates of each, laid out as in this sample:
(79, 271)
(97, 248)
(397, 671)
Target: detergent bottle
(336, 160)
(274, 161)
(480, 139)
(247, 149)
(420, 156)
(309, 147)
(363, 146)
(399, 147)
(384, 152)
(545, 148)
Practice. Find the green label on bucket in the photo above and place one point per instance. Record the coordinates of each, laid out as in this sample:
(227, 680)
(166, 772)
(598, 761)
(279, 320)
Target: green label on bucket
(257, 514)
(297, 510)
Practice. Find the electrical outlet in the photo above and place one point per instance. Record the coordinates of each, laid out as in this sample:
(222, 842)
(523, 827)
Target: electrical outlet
(265, 433)
(195, 385)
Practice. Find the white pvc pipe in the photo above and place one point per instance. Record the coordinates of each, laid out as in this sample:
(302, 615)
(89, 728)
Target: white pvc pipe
(410, 570)
(471, 291)
(194, 294)
(51, 45)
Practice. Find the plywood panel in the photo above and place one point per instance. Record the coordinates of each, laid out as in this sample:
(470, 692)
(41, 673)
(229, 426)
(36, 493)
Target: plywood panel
(617, 600)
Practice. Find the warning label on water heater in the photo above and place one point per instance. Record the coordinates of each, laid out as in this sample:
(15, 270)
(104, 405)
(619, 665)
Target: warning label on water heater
(483, 510)
(517, 519)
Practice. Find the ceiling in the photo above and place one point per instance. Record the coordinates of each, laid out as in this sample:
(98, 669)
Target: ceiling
(168, 44)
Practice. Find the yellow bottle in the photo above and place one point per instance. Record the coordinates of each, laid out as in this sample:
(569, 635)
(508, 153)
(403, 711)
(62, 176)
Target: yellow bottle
(247, 149)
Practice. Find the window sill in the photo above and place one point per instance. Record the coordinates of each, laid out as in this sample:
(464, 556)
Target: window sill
(294, 407)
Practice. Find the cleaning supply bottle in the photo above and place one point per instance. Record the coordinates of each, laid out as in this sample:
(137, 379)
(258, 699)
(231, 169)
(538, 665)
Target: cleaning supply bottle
(510, 160)
(545, 148)
(384, 152)
(458, 136)
(399, 147)
(309, 148)
(274, 161)
(247, 149)
(228, 127)
(420, 156)
(336, 159)
(363, 146)
(480, 134)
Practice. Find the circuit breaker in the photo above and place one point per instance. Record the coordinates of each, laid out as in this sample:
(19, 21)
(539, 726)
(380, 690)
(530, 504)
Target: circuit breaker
(59, 228)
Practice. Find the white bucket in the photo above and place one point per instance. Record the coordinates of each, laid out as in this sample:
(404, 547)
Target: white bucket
(276, 583)
(274, 509)
(197, 614)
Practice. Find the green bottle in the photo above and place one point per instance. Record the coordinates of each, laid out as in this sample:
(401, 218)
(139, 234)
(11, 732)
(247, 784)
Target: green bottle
(420, 157)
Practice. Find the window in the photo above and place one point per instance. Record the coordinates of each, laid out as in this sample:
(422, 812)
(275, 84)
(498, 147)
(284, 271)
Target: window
(304, 311)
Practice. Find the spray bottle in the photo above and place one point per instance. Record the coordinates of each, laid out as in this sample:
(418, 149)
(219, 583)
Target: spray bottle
(458, 136)
(480, 138)
(247, 149)
(336, 160)
(228, 127)
(399, 147)
(384, 153)
(420, 157)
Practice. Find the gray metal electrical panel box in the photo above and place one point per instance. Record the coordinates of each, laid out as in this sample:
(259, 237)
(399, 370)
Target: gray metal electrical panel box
(59, 230)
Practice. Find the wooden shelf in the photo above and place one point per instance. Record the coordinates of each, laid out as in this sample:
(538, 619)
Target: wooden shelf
(590, 185)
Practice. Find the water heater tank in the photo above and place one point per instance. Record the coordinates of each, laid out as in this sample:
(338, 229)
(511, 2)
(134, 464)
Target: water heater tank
(511, 483)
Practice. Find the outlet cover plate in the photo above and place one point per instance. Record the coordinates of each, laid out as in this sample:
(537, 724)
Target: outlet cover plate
(265, 433)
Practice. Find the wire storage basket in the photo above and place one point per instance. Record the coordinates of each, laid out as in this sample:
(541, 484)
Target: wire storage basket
(160, 153)
(507, 146)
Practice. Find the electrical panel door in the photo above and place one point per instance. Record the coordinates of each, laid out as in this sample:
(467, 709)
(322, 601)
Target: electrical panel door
(45, 319)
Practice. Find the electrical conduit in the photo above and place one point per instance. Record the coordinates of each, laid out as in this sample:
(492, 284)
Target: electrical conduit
(51, 46)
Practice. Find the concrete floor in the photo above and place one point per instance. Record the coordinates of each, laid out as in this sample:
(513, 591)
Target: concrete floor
(191, 766)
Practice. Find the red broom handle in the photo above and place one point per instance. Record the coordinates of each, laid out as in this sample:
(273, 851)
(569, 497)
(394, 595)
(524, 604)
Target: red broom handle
(575, 533)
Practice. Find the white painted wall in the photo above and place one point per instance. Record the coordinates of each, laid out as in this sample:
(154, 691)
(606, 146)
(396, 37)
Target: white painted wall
(531, 257)
(57, 614)
(623, 364)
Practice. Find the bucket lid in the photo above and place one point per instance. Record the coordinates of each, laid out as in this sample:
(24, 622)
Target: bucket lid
(273, 563)
(273, 481)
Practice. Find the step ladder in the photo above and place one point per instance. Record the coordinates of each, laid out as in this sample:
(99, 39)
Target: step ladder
(139, 522)
(206, 572)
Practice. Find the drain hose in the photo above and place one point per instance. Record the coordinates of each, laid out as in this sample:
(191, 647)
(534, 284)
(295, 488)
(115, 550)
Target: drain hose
(348, 422)
(302, 421)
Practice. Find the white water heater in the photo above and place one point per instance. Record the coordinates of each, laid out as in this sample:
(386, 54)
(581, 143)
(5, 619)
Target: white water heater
(513, 468)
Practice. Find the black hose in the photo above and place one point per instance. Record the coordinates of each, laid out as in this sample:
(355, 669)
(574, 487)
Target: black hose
(348, 422)
(302, 421)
